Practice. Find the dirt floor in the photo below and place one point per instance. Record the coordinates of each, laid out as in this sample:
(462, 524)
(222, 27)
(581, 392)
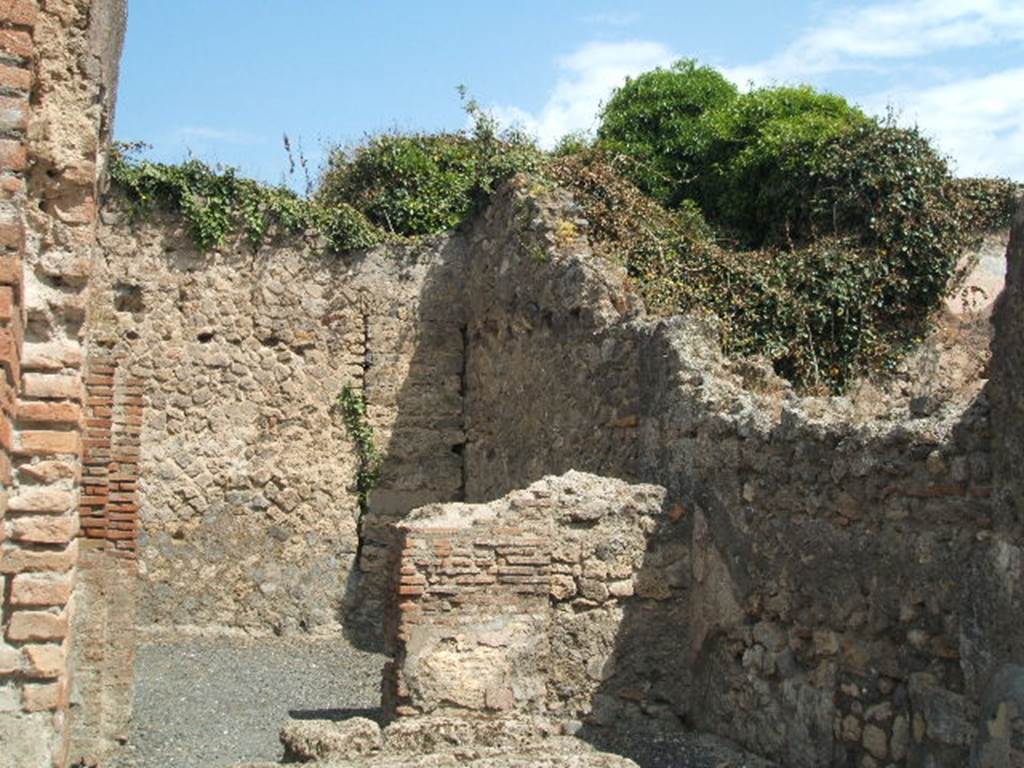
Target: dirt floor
(208, 703)
(205, 703)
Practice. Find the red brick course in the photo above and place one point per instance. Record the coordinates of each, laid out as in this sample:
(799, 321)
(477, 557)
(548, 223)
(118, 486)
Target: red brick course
(108, 507)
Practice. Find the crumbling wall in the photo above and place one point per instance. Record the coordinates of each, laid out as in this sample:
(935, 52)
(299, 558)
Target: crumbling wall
(511, 608)
(811, 599)
(827, 559)
(58, 64)
(250, 517)
(1006, 391)
(992, 634)
(551, 368)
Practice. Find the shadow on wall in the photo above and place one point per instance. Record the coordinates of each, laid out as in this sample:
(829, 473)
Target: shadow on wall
(413, 382)
(820, 592)
(510, 363)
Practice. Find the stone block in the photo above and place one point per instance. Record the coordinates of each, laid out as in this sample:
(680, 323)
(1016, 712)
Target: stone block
(41, 589)
(324, 740)
(42, 529)
(36, 626)
(45, 661)
(52, 386)
(42, 499)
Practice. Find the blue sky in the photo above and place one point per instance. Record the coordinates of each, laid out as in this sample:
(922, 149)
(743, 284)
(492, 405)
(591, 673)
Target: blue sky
(224, 79)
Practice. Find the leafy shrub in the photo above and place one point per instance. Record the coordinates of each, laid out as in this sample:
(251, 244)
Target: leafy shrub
(218, 203)
(415, 184)
(823, 312)
(989, 203)
(409, 185)
(745, 158)
(888, 188)
(657, 245)
(758, 159)
(656, 119)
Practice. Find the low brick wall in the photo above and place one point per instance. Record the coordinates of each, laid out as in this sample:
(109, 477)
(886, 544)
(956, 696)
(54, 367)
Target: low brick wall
(510, 608)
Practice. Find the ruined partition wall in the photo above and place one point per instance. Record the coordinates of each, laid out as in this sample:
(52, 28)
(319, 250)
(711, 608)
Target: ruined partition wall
(1007, 393)
(249, 514)
(552, 361)
(825, 596)
(488, 620)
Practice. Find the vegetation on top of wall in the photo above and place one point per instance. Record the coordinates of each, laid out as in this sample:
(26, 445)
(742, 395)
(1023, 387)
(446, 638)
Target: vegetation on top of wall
(417, 184)
(834, 307)
(218, 203)
(831, 238)
(823, 239)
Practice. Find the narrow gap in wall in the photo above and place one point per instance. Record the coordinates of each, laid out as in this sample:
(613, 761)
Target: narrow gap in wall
(460, 449)
(363, 502)
(6, 606)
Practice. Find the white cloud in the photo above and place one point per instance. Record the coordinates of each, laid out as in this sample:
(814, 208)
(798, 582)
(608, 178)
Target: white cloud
(613, 18)
(866, 37)
(977, 118)
(978, 121)
(204, 133)
(587, 77)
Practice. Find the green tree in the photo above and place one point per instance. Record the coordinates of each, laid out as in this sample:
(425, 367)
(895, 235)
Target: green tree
(759, 158)
(655, 119)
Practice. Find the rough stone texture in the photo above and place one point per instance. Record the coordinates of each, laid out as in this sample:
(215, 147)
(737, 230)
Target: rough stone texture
(505, 352)
(103, 629)
(512, 607)
(439, 741)
(833, 581)
(992, 636)
(1000, 739)
(309, 740)
(772, 630)
(551, 371)
(1006, 391)
(249, 514)
(59, 82)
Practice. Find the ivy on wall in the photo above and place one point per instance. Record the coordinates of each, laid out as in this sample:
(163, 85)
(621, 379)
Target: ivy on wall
(352, 405)
(824, 240)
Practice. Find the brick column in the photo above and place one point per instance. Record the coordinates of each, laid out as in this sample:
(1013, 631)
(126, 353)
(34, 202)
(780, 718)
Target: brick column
(39, 416)
(104, 628)
(47, 240)
(109, 504)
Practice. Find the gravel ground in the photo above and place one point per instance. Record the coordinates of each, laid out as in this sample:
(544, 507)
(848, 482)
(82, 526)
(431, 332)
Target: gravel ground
(205, 703)
(680, 749)
(208, 703)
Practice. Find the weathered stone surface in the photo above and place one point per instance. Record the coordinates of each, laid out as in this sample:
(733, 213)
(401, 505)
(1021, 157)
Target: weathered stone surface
(1000, 739)
(248, 470)
(29, 740)
(323, 740)
(487, 368)
(517, 642)
(1005, 390)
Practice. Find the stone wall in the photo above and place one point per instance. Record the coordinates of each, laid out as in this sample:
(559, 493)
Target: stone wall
(1007, 393)
(815, 583)
(249, 517)
(552, 366)
(511, 608)
(58, 65)
(817, 598)
(993, 631)
(827, 556)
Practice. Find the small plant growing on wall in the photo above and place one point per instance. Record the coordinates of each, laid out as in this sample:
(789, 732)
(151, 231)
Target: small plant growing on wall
(352, 405)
